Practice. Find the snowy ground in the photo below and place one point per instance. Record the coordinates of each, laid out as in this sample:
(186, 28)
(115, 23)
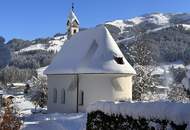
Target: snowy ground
(23, 105)
(54, 121)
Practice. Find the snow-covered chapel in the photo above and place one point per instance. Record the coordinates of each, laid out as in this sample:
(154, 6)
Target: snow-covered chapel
(89, 67)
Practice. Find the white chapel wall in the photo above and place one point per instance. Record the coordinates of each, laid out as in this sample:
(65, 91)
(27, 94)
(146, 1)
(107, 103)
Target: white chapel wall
(59, 82)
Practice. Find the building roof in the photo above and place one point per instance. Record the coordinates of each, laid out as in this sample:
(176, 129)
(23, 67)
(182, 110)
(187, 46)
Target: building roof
(90, 52)
(72, 17)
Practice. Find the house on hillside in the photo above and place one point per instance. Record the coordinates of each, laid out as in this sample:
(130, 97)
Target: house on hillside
(16, 88)
(89, 67)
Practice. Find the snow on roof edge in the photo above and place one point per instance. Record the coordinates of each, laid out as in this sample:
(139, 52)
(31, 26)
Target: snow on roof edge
(73, 17)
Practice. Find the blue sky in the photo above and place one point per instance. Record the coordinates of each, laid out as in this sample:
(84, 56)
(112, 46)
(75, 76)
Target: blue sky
(30, 19)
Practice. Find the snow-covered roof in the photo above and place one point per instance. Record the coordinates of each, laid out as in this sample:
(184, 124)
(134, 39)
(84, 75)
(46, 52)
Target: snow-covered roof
(90, 51)
(17, 84)
(72, 17)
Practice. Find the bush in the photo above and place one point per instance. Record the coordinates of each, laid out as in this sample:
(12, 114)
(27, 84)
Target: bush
(143, 82)
(178, 93)
(39, 92)
(98, 120)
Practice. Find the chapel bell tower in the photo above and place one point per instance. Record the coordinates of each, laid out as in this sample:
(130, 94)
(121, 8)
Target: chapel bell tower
(72, 24)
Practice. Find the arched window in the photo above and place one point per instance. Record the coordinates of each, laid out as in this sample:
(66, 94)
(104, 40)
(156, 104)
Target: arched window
(63, 96)
(55, 95)
(81, 98)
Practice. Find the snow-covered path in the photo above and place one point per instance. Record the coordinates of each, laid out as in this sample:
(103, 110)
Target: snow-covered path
(55, 121)
(23, 105)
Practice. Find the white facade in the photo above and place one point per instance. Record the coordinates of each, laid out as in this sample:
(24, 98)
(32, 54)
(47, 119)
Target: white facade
(79, 75)
(104, 87)
(93, 86)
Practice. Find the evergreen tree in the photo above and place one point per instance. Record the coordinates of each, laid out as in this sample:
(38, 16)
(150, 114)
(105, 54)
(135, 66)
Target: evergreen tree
(4, 54)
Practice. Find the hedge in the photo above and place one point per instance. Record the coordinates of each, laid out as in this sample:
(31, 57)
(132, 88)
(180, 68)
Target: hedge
(98, 120)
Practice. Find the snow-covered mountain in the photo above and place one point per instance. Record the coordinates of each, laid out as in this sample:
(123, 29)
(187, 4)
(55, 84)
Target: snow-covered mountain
(165, 34)
(159, 19)
(155, 18)
(126, 29)
(53, 44)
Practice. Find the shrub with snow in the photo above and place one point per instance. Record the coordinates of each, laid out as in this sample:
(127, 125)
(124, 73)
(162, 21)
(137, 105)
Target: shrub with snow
(39, 92)
(138, 115)
(143, 81)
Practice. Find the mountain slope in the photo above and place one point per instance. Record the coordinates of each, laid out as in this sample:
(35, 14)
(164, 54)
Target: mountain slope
(164, 37)
(141, 24)
(54, 44)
